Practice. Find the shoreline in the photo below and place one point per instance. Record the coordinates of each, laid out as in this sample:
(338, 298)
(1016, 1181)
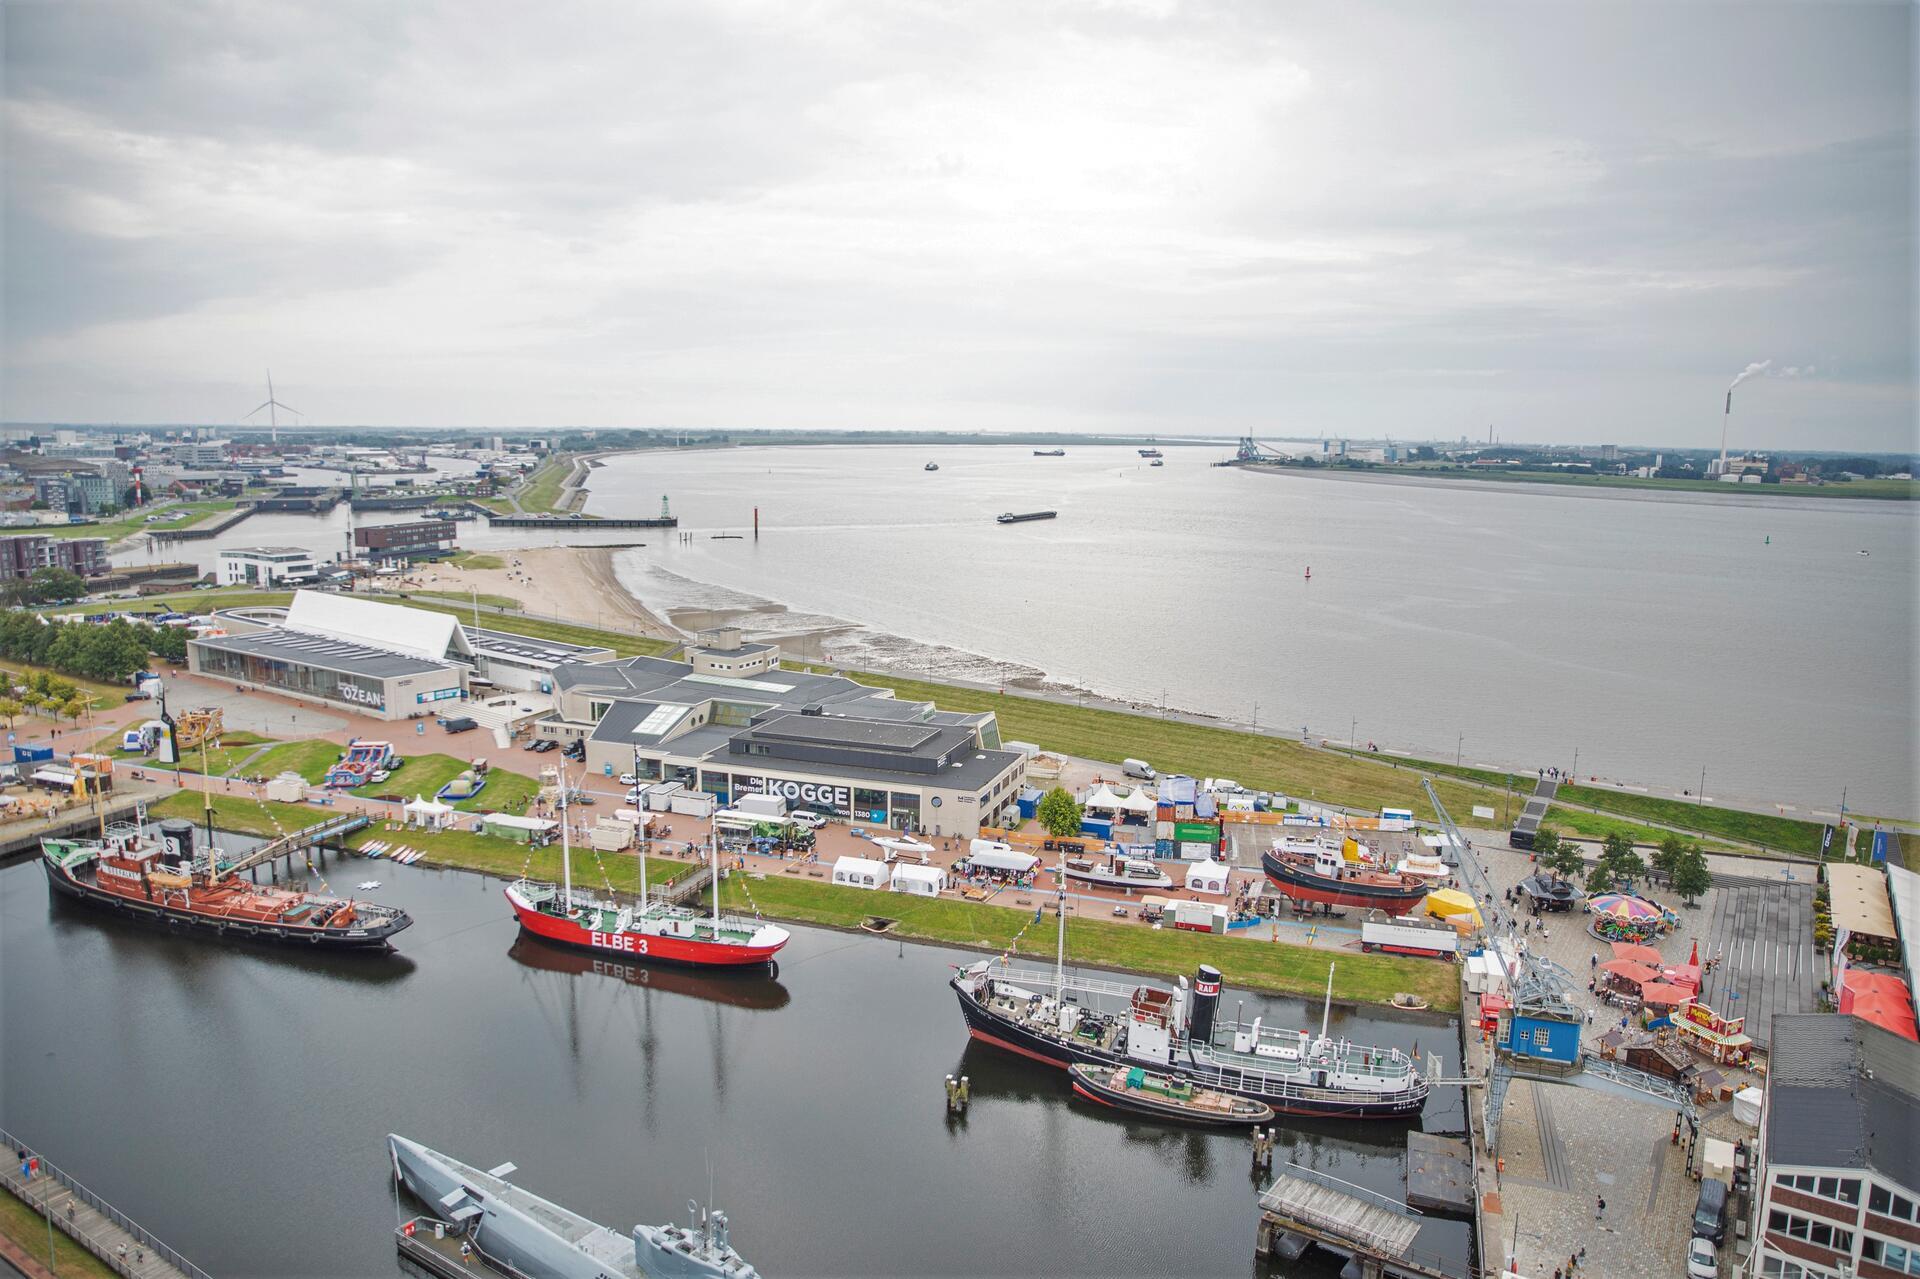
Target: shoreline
(566, 583)
(1538, 486)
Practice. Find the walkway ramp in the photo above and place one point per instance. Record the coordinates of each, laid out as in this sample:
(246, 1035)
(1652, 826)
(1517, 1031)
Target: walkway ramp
(1535, 812)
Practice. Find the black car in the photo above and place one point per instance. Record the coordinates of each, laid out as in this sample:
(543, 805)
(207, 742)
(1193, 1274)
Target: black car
(459, 724)
(544, 745)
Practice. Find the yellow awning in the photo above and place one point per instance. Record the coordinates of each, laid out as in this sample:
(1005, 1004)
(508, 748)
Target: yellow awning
(1445, 903)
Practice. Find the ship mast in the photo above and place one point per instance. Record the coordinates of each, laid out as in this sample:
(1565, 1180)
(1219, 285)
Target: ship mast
(646, 840)
(713, 863)
(566, 848)
(1326, 1009)
(1060, 942)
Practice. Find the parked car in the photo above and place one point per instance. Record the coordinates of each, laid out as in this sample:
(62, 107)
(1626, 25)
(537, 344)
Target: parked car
(1710, 1212)
(801, 817)
(1703, 1262)
(628, 779)
(545, 745)
(379, 775)
(531, 744)
(633, 797)
(459, 724)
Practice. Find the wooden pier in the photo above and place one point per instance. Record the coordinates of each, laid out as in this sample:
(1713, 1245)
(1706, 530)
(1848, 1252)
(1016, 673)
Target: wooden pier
(1303, 1208)
(90, 1221)
(330, 831)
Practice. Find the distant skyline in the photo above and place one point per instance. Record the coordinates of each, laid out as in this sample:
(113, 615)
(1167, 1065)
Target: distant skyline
(1574, 223)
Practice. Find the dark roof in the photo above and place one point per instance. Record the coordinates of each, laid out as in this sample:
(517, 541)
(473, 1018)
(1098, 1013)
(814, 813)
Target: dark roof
(875, 734)
(1843, 1093)
(325, 652)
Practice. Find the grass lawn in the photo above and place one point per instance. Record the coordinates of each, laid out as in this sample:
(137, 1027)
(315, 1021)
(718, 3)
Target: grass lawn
(240, 813)
(504, 792)
(100, 694)
(125, 525)
(28, 1229)
(478, 560)
(220, 760)
(1163, 953)
(421, 774)
(541, 490)
(510, 859)
(309, 759)
(466, 597)
(1264, 763)
(1780, 833)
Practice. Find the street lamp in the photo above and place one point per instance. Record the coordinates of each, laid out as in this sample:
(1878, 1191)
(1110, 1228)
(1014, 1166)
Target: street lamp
(1459, 742)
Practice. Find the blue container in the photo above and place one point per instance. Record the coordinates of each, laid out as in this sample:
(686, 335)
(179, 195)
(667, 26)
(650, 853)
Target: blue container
(1164, 848)
(32, 754)
(1029, 803)
(1099, 828)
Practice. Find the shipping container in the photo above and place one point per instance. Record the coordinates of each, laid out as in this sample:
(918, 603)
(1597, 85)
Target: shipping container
(1029, 803)
(1192, 832)
(693, 803)
(1380, 931)
(1200, 917)
(1164, 848)
(1099, 828)
(1163, 829)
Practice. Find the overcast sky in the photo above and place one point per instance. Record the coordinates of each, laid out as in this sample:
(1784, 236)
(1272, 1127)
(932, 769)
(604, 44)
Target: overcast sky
(1566, 222)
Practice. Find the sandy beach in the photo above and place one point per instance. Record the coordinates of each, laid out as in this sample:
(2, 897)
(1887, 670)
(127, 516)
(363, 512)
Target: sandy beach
(570, 583)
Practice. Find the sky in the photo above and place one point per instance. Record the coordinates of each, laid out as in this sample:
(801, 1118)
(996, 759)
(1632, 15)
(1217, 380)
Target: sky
(1556, 222)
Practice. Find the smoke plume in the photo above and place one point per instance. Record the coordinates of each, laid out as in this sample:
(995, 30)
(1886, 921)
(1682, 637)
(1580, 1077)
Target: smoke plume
(1752, 370)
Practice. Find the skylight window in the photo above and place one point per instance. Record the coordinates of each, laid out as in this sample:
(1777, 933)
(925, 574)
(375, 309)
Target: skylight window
(658, 720)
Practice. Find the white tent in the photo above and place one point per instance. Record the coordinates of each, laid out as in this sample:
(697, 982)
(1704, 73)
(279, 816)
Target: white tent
(611, 835)
(1207, 877)
(1746, 1106)
(1103, 799)
(1001, 860)
(287, 788)
(1138, 801)
(858, 872)
(427, 814)
(921, 881)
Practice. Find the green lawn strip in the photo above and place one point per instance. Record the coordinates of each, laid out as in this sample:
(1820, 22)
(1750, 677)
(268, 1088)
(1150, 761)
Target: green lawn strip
(126, 525)
(483, 599)
(478, 560)
(421, 775)
(504, 792)
(1163, 953)
(309, 759)
(28, 1229)
(101, 694)
(1784, 834)
(540, 490)
(1573, 821)
(1264, 763)
(239, 813)
(509, 859)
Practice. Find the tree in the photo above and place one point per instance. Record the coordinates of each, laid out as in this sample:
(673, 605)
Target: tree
(33, 699)
(1558, 857)
(1690, 874)
(61, 690)
(1059, 813)
(1618, 864)
(1666, 858)
(57, 584)
(11, 709)
(73, 708)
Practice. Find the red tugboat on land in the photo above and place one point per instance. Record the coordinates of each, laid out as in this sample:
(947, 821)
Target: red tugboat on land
(1317, 871)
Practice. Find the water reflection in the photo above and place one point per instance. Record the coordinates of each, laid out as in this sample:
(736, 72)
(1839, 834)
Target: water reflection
(752, 990)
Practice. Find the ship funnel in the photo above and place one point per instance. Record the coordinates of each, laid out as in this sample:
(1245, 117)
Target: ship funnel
(176, 834)
(1206, 1003)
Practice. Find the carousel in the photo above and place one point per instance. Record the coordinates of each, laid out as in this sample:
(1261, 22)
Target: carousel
(1623, 917)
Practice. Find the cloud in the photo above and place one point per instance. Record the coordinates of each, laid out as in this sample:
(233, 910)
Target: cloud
(1362, 218)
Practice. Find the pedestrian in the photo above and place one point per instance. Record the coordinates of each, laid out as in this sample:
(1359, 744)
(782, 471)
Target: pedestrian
(466, 1253)
(1593, 962)
(1600, 1208)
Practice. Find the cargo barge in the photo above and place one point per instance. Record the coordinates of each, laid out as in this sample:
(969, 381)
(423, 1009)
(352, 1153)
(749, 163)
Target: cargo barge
(1021, 517)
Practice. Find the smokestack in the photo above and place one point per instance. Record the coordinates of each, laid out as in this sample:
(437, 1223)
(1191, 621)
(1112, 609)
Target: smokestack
(1206, 1001)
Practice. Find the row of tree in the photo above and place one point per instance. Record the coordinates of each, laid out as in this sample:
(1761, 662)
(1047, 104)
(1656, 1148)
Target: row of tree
(109, 653)
(41, 689)
(1680, 862)
(45, 586)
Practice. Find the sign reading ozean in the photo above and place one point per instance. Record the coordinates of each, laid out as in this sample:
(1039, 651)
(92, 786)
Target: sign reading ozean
(811, 794)
(354, 693)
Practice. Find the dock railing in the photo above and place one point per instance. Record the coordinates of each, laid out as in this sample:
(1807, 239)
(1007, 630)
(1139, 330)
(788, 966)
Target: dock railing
(133, 1229)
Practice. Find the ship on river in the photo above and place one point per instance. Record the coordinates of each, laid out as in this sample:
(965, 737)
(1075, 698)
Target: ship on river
(522, 1234)
(1067, 1019)
(162, 880)
(649, 930)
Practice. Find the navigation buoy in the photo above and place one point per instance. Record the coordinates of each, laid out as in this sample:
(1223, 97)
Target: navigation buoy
(1769, 539)
(1309, 572)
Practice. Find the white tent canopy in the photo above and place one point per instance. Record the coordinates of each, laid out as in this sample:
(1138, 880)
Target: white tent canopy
(1207, 877)
(1138, 801)
(921, 881)
(1746, 1106)
(1007, 860)
(428, 813)
(436, 636)
(859, 872)
(1103, 798)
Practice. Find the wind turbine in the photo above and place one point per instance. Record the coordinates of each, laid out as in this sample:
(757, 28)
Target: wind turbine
(271, 406)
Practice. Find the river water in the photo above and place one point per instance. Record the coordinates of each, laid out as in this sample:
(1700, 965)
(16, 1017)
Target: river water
(1656, 634)
(236, 1101)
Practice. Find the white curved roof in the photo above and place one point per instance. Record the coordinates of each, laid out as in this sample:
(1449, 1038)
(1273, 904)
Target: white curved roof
(413, 631)
(1104, 798)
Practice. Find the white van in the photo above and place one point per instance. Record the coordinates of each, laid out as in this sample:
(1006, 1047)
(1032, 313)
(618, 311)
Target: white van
(1138, 768)
(801, 817)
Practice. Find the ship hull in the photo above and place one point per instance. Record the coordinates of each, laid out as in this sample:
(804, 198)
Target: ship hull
(1306, 886)
(223, 928)
(641, 946)
(984, 1025)
(1094, 1090)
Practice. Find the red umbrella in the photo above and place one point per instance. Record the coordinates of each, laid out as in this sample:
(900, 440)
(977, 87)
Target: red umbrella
(1638, 954)
(1663, 995)
(1693, 956)
(1630, 971)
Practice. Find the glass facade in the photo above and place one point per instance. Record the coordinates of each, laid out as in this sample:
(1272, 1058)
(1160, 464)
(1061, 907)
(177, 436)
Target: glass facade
(869, 805)
(358, 691)
(905, 811)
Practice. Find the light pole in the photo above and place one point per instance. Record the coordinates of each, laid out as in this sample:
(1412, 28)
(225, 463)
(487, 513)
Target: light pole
(1459, 741)
(1700, 798)
(1575, 775)
(1353, 733)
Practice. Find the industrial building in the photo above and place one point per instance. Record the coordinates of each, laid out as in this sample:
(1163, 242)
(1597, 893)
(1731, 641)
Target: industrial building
(824, 742)
(266, 565)
(373, 658)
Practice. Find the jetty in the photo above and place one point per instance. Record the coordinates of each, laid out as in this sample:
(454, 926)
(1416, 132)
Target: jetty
(90, 1221)
(583, 521)
(1304, 1208)
(202, 532)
